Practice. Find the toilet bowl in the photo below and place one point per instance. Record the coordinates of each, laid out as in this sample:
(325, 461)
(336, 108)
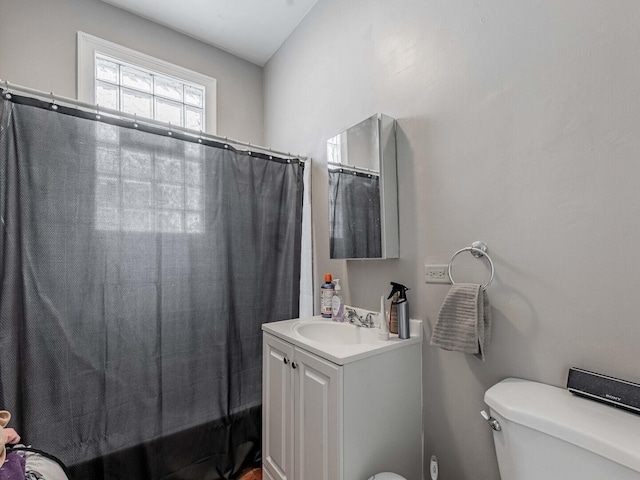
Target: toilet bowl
(387, 476)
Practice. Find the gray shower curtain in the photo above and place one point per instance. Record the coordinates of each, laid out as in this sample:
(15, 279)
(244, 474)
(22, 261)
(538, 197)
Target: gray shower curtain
(354, 215)
(136, 269)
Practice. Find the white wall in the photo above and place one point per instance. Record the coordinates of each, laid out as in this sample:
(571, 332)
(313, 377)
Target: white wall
(519, 125)
(38, 50)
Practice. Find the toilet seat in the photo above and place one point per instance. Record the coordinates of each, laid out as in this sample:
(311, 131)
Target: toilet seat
(387, 476)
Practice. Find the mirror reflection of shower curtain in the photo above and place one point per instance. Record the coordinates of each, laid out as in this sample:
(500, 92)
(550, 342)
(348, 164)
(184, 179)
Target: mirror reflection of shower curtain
(137, 269)
(354, 215)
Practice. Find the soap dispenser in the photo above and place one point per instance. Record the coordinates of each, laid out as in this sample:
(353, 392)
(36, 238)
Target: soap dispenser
(401, 306)
(337, 304)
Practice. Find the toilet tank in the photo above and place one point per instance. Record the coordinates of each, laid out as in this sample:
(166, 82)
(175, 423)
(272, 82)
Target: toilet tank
(549, 433)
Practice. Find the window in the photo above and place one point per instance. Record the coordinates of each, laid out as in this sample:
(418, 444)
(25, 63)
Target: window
(148, 94)
(147, 188)
(123, 79)
(334, 150)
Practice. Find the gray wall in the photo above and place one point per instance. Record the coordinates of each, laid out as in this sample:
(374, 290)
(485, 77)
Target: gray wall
(38, 49)
(519, 125)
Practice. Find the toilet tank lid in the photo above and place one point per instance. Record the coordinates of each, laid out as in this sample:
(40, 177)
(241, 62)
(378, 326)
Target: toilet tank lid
(601, 429)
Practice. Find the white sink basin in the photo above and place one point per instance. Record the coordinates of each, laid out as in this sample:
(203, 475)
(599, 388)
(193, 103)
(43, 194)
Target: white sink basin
(340, 343)
(336, 333)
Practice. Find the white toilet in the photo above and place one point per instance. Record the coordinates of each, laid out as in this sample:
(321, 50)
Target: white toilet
(547, 432)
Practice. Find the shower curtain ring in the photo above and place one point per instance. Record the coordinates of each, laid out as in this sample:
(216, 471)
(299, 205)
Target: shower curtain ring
(7, 90)
(170, 132)
(200, 137)
(135, 120)
(98, 117)
(53, 102)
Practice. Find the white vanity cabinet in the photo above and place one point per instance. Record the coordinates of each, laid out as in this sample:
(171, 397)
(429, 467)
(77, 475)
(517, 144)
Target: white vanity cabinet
(300, 407)
(327, 421)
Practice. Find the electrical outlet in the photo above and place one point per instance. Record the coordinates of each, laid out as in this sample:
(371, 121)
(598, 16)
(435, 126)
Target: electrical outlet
(436, 274)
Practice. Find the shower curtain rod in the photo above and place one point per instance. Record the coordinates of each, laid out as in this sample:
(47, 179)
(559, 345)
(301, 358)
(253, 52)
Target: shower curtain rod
(353, 168)
(9, 87)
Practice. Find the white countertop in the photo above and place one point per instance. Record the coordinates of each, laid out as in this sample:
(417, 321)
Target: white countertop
(340, 354)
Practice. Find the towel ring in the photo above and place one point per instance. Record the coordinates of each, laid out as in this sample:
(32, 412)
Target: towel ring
(477, 249)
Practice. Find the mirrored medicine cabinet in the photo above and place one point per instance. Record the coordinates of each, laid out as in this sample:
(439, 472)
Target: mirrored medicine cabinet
(363, 191)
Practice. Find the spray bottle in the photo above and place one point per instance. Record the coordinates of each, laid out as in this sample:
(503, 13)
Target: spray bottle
(399, 310)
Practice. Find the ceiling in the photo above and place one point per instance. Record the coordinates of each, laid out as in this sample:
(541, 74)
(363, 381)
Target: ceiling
(249, 29)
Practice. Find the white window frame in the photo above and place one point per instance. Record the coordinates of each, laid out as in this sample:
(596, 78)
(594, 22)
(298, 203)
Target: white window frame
(88, 46)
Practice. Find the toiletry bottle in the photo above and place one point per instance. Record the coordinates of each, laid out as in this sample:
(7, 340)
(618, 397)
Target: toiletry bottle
(393, 313)
(402, 309)
(383, 334)
(399, 293)
(326, 296)
(337, 304)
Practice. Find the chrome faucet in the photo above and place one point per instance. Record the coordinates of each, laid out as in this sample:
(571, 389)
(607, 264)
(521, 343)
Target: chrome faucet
(357, 320)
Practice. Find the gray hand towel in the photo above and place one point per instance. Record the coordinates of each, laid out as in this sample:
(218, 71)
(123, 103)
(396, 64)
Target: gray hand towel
(464, 321)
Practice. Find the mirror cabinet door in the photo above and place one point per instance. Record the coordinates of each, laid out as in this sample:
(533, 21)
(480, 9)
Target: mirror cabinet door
(363, 203)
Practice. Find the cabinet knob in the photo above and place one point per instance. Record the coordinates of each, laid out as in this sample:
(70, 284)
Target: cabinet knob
(285, 360)
(294, 364)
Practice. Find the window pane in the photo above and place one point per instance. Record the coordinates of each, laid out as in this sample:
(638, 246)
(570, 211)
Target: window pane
(169, 112)
(107, 218)
(168, 88)
(108, 160)
(193, 96)
(192, 151)
(136, 163)
(136, 103)
(135, 220)
(194, 198)
(107, 134)
(169, 221)
(170, 196)
(169, 169)
(136, 194)
(193, 118)
(106, 70)
(195, 223)
(193, 173)
(107, 191)
(106, 95)
(137, 79)
(332, 153)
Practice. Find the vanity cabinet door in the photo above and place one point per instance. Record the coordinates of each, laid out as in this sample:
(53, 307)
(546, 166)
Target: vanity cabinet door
(318, 418)
(266, 474)
(277, 408)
